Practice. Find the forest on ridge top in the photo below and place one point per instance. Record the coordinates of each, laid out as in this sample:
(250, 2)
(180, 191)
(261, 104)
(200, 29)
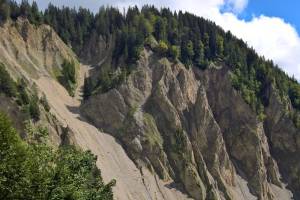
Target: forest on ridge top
(181, 36)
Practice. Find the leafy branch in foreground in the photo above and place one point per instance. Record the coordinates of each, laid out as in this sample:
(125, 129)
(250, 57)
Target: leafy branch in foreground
(35, 170)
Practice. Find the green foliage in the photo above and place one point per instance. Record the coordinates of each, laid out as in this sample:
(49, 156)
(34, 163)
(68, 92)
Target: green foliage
(69, 71)
(220, 46)
(206, 43)
(187, 52)
(87, 88)
(23, 97)
(134, 46)
(29, 103)
(109, 80)
(180, 141)
(7, 84)
(35, 16)
(25, 8)
(160, 28)
(45, 103)
(152, 135)
(199, 58)
(4, 10)
(35, 134)
(145, 26)
(13, 179)
(129, 44)
(33, 107)
(77, 177)
(174, 52)
(68, 77)
(200, 42)
(295, 116)
(294, 93)
(35, 170)
(151, 42)
(162, 48)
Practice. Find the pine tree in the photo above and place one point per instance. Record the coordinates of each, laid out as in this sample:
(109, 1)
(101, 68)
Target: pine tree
(87, 88)
(7, 84)
(35, 16)
(45, 103)
(23, 97)
(206, 45)
(220, 46)
(174, 52)
(4, 10)
(199, 57)
(145, 26)
(187, 52)
(34, 109)
(160, 29)
(25, 8)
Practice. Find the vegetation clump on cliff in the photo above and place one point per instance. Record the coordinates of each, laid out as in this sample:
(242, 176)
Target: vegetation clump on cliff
(32, 169)
(68, 76)
(28, 101)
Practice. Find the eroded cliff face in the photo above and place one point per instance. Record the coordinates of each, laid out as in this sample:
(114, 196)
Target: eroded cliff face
(192, 127)
(31, 51)
(189, 127)
(36, 55)
(243, 134)
(284, 139)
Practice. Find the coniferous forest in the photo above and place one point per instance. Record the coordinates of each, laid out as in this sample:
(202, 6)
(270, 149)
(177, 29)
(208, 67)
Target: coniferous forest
(181, 36)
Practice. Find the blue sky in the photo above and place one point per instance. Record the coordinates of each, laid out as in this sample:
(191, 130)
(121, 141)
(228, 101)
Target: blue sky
(271, 27)
(286, 9)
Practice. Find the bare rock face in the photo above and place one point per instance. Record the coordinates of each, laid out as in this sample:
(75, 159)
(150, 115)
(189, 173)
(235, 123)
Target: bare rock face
(243, 134)
(31, 51)
(284, 138)
(190, 127)
(96, 49)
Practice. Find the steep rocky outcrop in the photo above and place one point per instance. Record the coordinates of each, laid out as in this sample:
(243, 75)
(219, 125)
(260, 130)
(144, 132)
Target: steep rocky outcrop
(190, 127)
(32, 51)
(284, 139)
(37, 56)
(243, 134)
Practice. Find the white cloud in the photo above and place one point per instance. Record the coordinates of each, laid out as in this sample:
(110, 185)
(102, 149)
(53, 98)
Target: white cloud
(271, 37)
(236, 6)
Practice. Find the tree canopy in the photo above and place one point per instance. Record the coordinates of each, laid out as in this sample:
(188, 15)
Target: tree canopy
(35, 170)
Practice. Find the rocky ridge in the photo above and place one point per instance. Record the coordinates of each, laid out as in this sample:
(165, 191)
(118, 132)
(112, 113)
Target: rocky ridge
(39, 58)
(191, 127)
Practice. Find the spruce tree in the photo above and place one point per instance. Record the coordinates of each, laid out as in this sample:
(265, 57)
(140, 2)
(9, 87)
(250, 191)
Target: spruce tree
(4, 10)
(87, 88)
(7, 84)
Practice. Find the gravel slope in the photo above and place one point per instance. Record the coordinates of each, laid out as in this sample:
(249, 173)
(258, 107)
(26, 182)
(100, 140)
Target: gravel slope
(112, 159)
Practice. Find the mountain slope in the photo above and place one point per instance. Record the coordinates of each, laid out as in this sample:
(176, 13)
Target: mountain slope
(112, 159)
(132, 183)
(190, 111)
(167, 121)
(30, 50)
